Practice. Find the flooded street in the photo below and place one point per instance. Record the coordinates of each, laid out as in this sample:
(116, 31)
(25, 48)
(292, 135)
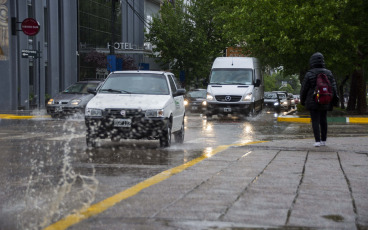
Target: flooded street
(47, 171)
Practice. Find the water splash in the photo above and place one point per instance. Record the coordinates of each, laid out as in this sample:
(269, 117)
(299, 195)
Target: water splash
(54, 187)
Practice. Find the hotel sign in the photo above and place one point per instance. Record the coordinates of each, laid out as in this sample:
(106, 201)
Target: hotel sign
(121, 46)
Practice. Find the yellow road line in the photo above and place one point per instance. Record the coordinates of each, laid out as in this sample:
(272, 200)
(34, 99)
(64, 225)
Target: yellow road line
(101, 206)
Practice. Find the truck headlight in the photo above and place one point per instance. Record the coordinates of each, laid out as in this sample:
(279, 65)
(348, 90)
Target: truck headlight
(276, 104)
(155, 113)
(93, 112)
(209, 97)
(248, 97)
(75, 101)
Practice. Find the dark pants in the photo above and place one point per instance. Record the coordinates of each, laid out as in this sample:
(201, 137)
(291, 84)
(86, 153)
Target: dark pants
(319, 124)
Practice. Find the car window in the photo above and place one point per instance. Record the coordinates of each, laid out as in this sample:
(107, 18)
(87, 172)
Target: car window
(270, 95)
(172, 84)
(137, 83)
(197, 94)
(282, 95)
(80, 87)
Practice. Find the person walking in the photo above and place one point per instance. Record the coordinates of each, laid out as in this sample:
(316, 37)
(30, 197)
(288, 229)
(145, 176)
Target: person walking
(318, 112)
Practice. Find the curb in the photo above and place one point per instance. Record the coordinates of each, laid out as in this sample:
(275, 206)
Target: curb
(352, 120)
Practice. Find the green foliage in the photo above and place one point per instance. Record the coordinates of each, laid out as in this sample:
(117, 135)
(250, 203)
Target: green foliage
(274, 82)
(187, 37)
(286, 33)
(300, 108)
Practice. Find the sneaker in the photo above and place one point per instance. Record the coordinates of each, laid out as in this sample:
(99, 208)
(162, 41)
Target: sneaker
(317, 144)
(323, 143)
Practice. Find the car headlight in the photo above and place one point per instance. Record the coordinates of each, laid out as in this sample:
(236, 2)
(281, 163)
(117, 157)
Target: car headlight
(186, 102)
(284, 103)
(93, 112)
(155, 113)
(248, 97)
(75, 101)
(209, 97)
(276, 104)
(204, 103)
(50, 102)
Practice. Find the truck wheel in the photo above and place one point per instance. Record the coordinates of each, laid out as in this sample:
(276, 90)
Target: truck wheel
(165, 139)
(179, 135)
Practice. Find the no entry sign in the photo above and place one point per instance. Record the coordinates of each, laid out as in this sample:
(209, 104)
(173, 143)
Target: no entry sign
(30, 26)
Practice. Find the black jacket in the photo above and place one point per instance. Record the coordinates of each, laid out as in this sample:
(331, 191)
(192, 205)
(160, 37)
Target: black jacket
(317, 65)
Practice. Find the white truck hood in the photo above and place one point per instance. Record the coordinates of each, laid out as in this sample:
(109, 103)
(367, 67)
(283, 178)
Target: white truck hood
(240, 90)
(129, 101)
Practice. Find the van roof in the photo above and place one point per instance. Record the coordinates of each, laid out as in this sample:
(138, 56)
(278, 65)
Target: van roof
(234, 62)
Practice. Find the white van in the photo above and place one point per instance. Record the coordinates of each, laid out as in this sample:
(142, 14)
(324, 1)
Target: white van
(235, 87)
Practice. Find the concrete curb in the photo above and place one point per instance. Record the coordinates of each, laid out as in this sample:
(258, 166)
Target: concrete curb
(298, 119)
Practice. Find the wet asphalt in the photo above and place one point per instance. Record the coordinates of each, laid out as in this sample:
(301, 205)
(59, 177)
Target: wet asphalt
(279, 184)
(274, 185)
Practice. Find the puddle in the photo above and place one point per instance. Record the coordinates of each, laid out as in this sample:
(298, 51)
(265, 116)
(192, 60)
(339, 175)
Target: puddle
(335, 218)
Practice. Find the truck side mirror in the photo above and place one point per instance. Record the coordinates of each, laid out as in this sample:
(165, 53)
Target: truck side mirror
(258, 83)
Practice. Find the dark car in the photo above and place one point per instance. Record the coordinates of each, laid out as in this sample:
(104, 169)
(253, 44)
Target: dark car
(72, 100)
(284, 100)
(195, 100)
(272, 101)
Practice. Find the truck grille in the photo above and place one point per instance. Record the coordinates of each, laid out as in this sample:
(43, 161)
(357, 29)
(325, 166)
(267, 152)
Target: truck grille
(228, 98)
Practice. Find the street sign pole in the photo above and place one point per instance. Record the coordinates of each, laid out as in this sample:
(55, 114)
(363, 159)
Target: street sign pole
(39, 74)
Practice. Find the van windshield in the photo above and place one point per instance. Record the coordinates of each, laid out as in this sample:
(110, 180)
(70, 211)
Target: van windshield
(231, 77)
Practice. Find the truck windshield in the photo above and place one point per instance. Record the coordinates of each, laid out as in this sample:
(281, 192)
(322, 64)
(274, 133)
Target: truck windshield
(231, 76)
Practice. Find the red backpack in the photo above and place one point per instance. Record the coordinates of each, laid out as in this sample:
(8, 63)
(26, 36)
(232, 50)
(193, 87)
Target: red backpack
(323, 91)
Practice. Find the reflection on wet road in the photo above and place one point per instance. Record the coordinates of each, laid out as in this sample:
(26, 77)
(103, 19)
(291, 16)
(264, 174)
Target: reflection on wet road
(47, 172)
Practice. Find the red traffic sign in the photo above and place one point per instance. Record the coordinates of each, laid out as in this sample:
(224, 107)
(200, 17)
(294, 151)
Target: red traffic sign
(30, 26)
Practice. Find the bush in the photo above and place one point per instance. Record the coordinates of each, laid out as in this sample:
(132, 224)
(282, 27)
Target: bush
(300, 108)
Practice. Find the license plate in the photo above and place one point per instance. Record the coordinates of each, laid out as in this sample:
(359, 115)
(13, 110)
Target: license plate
(227, 110)
(59, 109)
(194, 107)
(122, 122)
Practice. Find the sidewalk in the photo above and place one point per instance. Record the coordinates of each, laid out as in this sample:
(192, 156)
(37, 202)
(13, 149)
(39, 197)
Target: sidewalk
(278, 184)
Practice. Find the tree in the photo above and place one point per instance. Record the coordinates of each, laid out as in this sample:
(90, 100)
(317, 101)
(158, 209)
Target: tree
(286, 33)
(188, 37)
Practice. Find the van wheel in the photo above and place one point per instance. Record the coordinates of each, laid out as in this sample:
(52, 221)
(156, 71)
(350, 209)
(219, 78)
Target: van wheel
(179, 135)
(165, 139)
(252, 112)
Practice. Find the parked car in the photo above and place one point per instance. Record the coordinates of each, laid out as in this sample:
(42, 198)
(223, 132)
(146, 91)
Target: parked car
(272, 101)
(296, 99)
(72, 100)
(135, 105)
(195, 100)
(292, 100)
(285, 100)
